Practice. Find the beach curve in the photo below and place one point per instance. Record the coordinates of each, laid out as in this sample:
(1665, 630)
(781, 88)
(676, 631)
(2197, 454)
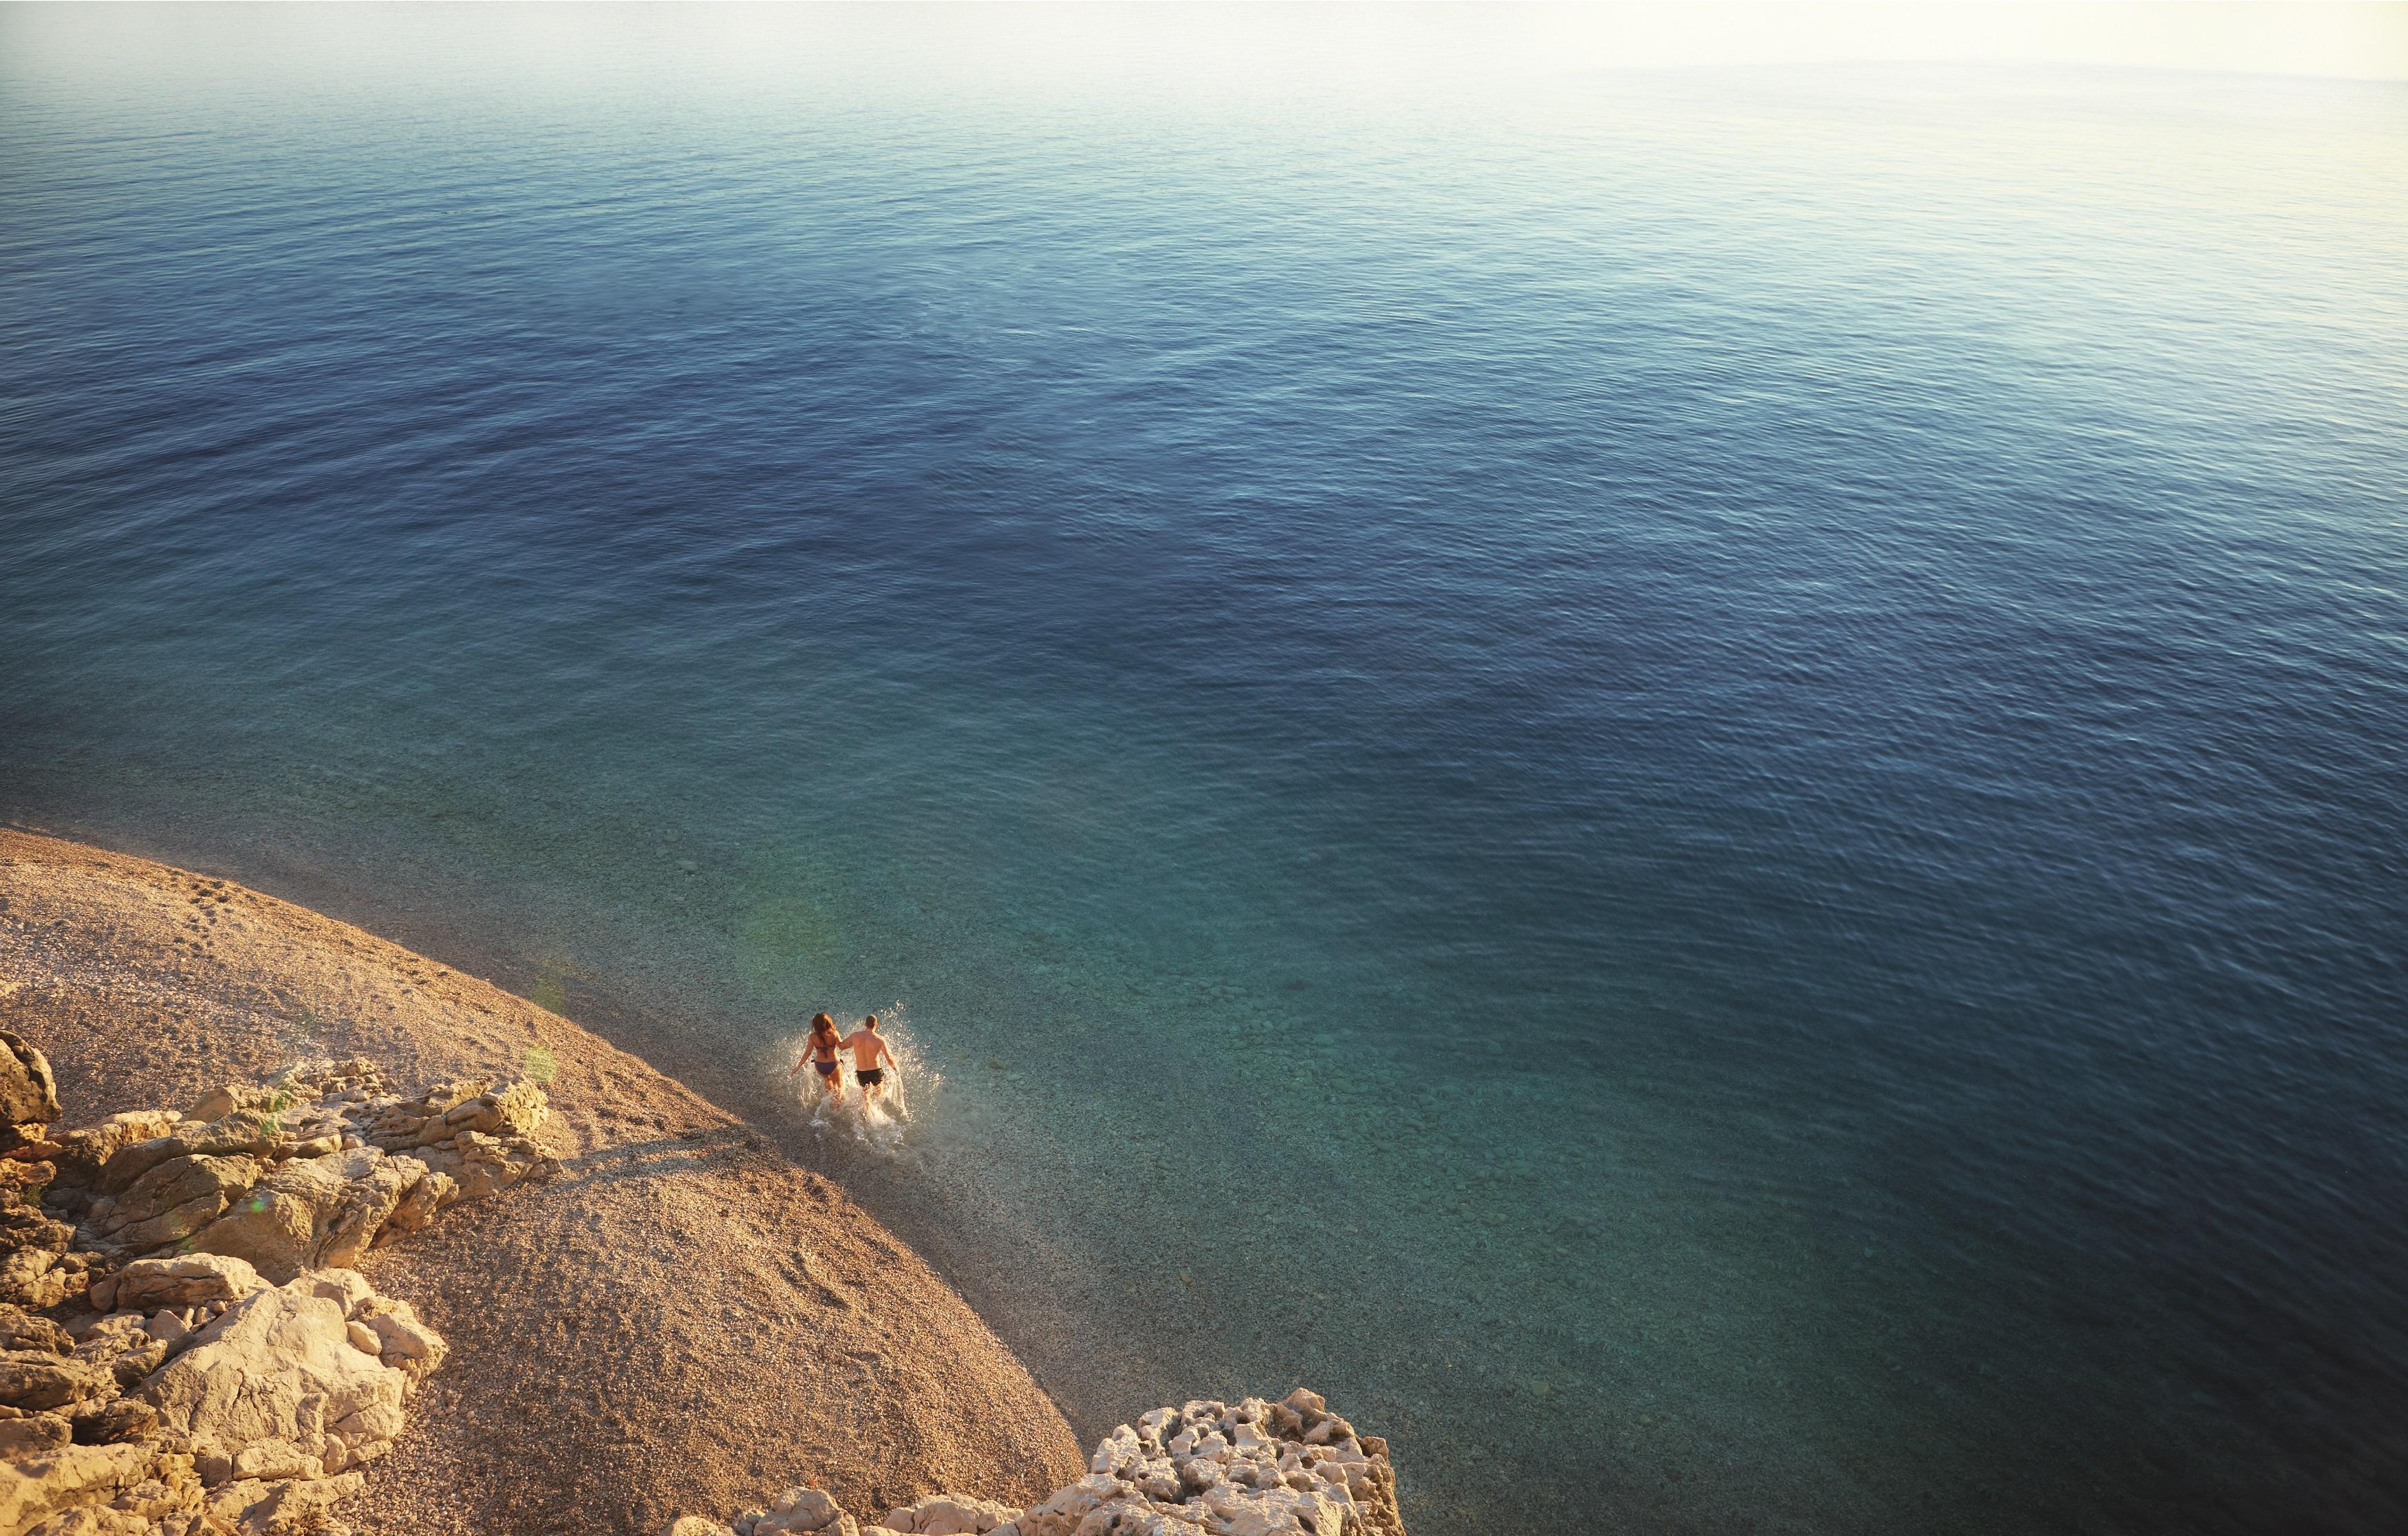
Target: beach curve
(686, 1319)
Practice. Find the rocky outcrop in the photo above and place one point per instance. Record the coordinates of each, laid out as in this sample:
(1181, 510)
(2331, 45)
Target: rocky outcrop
(184, 1348)
(306, 1173)
(1204, 1468)
(37, 1267)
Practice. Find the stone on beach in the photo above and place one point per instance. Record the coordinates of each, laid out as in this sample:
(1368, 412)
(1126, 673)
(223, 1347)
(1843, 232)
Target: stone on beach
(190, 1280)
(28, 1092)
(1203, 1469)
(276, 1387)
(949, 1515)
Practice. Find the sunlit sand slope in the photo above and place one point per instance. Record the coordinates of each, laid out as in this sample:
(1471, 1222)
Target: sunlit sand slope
(683, 1320)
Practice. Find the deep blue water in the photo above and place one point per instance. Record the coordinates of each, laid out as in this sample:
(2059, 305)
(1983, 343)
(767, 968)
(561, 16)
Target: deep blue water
(1692, 782)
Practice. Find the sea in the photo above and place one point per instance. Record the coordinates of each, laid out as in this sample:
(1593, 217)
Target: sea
(1692, 781)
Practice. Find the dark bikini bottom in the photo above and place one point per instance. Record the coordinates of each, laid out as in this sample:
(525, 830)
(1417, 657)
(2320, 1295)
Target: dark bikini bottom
(828, 1068)
(871, 1078)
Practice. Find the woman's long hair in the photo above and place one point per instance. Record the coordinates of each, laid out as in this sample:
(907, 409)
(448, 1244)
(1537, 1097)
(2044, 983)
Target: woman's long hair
(822, 1030)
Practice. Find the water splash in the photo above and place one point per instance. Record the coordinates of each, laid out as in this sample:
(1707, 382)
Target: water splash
(876, 1125)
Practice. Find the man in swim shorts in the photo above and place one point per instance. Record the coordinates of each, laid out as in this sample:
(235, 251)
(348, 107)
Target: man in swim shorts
(821, 1052)
(870, 1058)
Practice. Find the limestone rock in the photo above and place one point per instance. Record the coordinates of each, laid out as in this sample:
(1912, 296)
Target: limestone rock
(190, 1280)
(507, 1110)
(949, 1515)
(31, 1434)
(275, 1388)
(82, 1153)
(418, 1204)
(312, 1213)
(121, 1344)
(1202, 1469)
(36, 1278)
(27, 1090)
(303, 1174)
(175, 1199)
(694, 1525)
(119, 1419)
(244, 1133)
(20, 1330)
(22, 1169)
(37, 1381)
(23, 1226)
(38, 1486)
(196, 1366)
(405, 1344)
(483, 1164)
(260, 1507)
(796, 1510)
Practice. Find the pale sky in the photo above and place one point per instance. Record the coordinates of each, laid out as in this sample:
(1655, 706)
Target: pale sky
(2362, 41)
(2356, 41)
(1199, 44)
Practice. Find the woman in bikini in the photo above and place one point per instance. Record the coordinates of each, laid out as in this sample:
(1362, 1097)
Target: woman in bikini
(819, 1051)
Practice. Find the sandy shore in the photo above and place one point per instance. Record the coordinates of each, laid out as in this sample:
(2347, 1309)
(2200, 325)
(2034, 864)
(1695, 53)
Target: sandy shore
(685, 1321)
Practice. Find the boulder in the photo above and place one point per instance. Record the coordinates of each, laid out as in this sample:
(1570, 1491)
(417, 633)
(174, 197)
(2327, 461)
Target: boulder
(22, 1169)
(419, 1203)
(82, 1153)
(175, 1199)
(38, 1278)
(485, 1165)
(259, 1507)
(244, 1133)
(1202, 1469)
(949, 1515)
(306, 1173)
(276, 1387)
(799, 1510)
(30, 1434)
(27, 1139)
(404, 1343)
(117, 1419)
(188, 1280)
(250, 1359)
(38, 1486)
(21, 1329)
(1249, 1469)
(312, 1212)
(222, 1101)
(37, 1380)
(122, 1345)
(27, 1090)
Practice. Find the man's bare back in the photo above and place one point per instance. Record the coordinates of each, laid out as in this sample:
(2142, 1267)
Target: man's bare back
(870, 1056)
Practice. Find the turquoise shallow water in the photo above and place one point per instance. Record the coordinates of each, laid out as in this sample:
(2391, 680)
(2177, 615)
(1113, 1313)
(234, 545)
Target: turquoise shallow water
(1690, 783)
